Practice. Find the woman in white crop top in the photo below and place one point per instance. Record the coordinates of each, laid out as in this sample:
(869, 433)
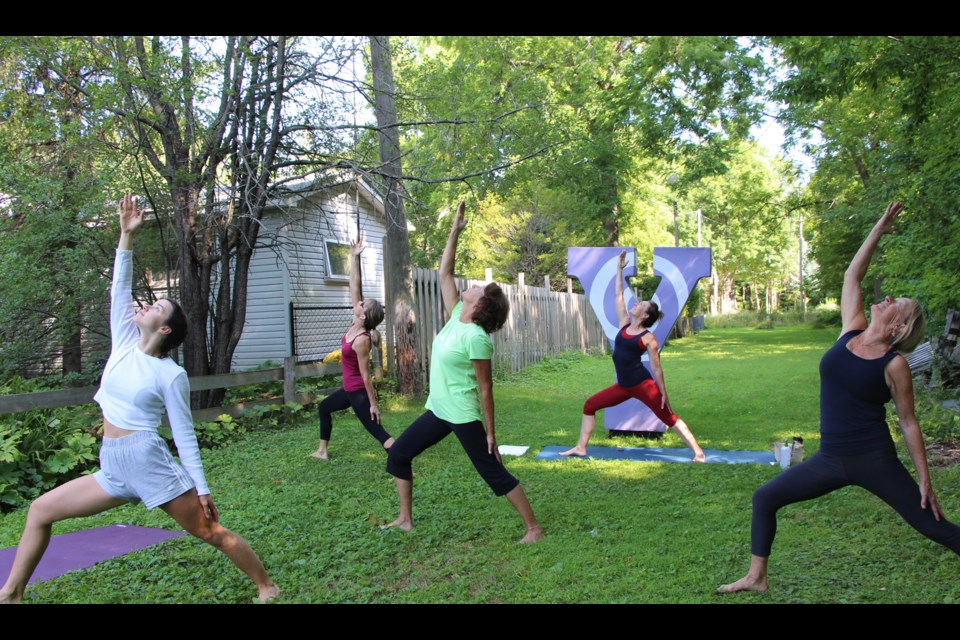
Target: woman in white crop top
(139, 381)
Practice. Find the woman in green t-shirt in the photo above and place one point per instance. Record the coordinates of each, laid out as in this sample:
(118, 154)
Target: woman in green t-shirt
(461, 392)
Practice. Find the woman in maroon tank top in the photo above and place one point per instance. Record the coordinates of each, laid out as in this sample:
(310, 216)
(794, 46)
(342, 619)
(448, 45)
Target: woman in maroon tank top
(357, 392)
(633, 379)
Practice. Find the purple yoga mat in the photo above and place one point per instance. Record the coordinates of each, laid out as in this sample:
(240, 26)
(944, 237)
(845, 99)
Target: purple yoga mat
(82, 549)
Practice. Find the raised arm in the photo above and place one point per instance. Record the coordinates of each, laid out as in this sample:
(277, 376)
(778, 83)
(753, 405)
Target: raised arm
(356, 290)
(448, 287)
(901, 388)
(122, 329)
(128, 210)
(622, 316)
(851, 301)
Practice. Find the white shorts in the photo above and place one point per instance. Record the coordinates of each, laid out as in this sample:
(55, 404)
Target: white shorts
(139, 467)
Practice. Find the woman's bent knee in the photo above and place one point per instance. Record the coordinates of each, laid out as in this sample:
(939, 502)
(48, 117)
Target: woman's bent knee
(213, 534)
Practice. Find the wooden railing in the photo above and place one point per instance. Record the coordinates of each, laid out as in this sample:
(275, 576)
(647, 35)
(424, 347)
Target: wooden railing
(288, 373)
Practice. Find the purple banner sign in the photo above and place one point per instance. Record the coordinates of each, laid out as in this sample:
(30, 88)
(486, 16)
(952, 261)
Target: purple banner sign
(679, 269)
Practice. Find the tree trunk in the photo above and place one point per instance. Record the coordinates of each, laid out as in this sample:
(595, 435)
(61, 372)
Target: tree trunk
(714, 294)
(409, 376)
(728, 299)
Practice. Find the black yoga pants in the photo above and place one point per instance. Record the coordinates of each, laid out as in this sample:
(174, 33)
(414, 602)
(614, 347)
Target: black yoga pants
(342, 399)
(428, 430)
(879, 472)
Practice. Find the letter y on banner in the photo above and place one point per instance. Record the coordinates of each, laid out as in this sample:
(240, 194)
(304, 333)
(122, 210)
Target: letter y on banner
(679, 269)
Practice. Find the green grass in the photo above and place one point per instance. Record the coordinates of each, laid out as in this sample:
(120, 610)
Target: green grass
(616, 531)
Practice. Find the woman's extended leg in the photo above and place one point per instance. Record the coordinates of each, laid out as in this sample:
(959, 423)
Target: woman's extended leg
(473, 439)
(885, 476)
(426, 431)
(77, 498)
(360, 402)
(188, 513)
(649, 394)
(609, 397)
(811, 479)
(518, 499)
(687, 436)
(336, 401)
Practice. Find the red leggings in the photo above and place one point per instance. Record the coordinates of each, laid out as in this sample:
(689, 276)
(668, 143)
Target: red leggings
(646, 392)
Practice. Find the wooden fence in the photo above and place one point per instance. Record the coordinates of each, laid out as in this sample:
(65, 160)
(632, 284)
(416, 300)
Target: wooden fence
(288, 373)
(541, 322)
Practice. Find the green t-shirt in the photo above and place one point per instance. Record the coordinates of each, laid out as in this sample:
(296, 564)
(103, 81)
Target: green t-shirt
(454, 390)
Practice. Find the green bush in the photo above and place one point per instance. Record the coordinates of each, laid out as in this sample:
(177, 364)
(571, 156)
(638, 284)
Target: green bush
(757, 319)
(827, 314)
(42, 448)
(936, 422)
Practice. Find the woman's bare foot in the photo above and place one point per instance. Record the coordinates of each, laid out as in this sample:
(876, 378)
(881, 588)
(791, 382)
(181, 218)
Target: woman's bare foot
(10, 598)
(320, 454)
(746, 583)
(400, 523)
(533, 534)
(576, 451)
(268, 593)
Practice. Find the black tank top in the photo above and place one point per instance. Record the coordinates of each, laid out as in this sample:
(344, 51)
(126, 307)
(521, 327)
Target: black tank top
(627, 351)
(853, 392)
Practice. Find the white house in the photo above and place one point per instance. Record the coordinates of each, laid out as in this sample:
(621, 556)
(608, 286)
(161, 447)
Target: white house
(298, 293)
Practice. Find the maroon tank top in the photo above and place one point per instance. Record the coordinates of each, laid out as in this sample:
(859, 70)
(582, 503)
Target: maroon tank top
(350, 364)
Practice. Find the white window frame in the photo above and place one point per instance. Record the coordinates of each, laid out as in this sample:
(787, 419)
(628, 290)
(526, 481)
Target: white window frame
(345, 277)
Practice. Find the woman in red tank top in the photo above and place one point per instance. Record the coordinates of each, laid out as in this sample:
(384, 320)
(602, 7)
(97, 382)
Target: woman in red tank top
(355, 346)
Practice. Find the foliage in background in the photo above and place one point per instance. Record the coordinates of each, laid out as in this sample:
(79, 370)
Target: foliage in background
(43, 448)
(878, 114)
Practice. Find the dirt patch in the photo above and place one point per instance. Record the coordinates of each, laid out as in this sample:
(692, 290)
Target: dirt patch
(944, 454)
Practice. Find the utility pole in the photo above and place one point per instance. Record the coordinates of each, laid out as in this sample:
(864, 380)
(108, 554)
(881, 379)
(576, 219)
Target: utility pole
(676, 226)
(803, 298)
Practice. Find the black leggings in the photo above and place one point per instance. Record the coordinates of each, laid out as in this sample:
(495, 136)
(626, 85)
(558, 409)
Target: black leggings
(340, 400)
(879, 472)
(428, 430)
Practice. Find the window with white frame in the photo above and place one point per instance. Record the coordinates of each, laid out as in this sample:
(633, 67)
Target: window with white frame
(338, 259)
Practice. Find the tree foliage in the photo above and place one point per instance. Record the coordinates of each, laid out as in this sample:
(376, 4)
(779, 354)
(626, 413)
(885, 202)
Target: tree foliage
(883, 110)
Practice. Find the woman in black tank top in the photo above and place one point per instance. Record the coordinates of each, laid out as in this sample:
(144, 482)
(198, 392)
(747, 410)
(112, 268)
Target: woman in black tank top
(858, 375)
(633, 379)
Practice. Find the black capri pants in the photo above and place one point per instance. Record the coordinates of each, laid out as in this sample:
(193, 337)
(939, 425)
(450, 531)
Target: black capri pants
(342, 399)
(428, 430)
(879, 472)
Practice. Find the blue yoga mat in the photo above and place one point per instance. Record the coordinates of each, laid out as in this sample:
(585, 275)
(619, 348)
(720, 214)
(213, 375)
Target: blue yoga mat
(86, 548)
(650, 454)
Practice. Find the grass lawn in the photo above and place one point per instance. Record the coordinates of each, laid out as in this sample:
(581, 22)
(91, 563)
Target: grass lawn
(616, 531)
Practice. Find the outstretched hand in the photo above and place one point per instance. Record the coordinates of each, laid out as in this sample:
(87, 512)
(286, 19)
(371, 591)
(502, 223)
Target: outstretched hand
(887, 221)
(459, 219)
(356, 248)
(131, 217)
(623, 260)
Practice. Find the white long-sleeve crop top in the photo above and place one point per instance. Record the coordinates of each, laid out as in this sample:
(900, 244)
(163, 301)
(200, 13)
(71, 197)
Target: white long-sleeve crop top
(136, 387)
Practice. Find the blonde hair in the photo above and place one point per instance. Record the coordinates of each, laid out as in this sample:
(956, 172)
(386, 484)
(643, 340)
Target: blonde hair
(913, 331)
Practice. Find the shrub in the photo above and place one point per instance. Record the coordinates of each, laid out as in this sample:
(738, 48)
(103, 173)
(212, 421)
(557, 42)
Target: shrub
(827, 314)
(42, 448)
